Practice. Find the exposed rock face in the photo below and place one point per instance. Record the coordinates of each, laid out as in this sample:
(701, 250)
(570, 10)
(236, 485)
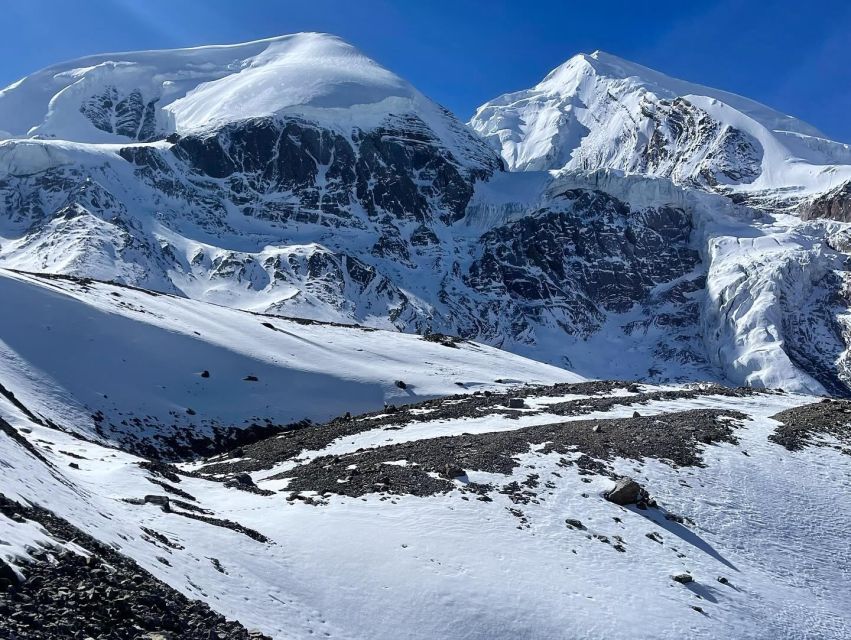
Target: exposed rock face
(689, 146)
(315, 175)
(129, 116)
(588, 255)
(834, 205)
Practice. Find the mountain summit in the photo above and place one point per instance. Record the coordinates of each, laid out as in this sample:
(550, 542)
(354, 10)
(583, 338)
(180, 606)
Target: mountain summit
(599, 110)
(149, 94)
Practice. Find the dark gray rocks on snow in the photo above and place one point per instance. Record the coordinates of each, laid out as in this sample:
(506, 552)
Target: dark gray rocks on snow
(68, 596)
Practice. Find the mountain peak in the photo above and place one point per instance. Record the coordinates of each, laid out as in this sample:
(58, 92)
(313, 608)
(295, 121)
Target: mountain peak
(189, 89)
(303, 72)
(582, 112)
(600, 62)
(604, 57)
(565, 79)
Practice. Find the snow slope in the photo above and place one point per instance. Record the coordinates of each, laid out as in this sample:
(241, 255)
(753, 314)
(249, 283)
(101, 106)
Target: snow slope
(772, 524)
(126, 366)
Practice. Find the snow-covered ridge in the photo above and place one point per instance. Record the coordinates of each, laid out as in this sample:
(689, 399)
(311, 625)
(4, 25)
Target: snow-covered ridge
(561, 79)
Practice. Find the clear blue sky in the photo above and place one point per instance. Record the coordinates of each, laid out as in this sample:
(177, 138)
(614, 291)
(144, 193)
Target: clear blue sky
(794, 56)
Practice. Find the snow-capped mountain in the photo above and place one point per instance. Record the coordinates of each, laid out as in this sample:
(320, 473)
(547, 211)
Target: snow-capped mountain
(296, 177)
(146, 96)
(600, 111)
(197, 442)
(774, 305)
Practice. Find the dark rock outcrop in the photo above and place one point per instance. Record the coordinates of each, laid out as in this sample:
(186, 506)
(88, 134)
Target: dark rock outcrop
(69, 596)
(834, 205)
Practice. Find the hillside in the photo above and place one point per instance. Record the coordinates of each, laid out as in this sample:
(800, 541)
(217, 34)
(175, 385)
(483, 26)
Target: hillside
(458, 516)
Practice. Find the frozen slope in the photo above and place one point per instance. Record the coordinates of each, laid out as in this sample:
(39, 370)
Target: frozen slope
(127, 366)
(762, 531)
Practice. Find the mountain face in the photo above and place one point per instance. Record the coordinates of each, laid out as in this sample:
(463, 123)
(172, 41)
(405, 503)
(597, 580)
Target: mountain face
(610, 220)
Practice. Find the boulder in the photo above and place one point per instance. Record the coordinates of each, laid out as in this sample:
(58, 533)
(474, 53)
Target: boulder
(160, 501)
(516, 403)
(240, 481)
(626, 491)
(452, 471)
(8, 576)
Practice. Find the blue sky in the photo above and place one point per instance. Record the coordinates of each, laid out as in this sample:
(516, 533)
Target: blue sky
(793, 56)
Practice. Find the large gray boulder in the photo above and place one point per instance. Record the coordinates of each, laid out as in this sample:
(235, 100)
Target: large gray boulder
(626, 491)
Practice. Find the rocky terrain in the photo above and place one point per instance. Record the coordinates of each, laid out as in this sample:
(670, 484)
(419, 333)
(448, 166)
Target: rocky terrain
(96, 592)
(683, 502)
